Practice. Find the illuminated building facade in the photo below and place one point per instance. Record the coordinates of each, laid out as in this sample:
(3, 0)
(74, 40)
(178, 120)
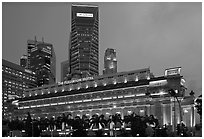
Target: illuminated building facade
(43, 63)
(65, 70)
(23, 61)
(15, 79)
(110, 62)
(123, 93)
(84, 39)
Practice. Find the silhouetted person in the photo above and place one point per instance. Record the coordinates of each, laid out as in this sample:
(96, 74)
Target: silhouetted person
(28, 126)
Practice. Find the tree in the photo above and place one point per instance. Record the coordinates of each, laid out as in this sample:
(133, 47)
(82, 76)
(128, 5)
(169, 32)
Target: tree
(198, 105)
(191, 93)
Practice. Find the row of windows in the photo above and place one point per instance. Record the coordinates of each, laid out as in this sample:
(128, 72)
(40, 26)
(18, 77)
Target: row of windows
(104, 95)
(22, 76)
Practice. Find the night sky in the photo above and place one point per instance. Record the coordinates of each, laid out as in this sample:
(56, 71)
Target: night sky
(155, 35)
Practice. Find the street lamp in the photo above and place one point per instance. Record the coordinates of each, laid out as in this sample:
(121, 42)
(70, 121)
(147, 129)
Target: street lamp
(173, 94)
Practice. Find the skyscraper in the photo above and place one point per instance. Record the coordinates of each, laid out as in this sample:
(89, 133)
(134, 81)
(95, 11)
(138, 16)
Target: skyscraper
(110, 62)
(15, 79)
(23, 61)
(65, 70)
(43, 63)
(31, 44)
(84, 42)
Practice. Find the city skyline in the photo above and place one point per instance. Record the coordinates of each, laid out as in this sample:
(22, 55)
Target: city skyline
(159, 35)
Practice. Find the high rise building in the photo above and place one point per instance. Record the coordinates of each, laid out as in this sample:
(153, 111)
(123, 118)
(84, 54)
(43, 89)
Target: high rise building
(110, 62)
(15, 79)
(43, 63)
(84, 39)
(23, 61)
(65, 70)
(31, 44)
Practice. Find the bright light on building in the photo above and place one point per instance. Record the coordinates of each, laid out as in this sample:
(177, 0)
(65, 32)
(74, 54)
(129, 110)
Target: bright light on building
(185, 111)
(108, 58)
(136, 79)
(125, 81)
(141, 110)
(63, 90)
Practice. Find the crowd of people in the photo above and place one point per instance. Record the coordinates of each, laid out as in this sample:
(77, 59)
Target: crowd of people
(142, 126)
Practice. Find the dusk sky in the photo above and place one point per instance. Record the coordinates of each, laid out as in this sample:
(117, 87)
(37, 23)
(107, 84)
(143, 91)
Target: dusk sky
(155, 35)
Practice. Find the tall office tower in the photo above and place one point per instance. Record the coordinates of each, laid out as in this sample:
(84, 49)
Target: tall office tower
(65, 70)
(31, 44)
(23, 61)
(110, 62)
(43, 63)
(15, 79)
(84, 47)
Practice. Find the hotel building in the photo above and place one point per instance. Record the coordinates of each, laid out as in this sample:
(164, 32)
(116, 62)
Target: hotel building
(123, 92)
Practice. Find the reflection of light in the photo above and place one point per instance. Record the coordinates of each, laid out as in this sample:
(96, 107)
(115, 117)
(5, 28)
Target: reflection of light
(114, 106)
(87, 114)
(114, 82)
(125, 81)
(63, 90)
(87, 86)
(55, 91)
(107, 113)
(118, 112)
(104, 84)
(176, 91)
(148, 77)
(95, 85)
